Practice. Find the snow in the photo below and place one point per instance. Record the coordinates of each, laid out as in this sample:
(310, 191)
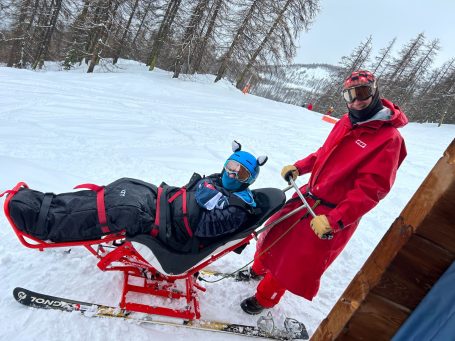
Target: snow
(59, 129)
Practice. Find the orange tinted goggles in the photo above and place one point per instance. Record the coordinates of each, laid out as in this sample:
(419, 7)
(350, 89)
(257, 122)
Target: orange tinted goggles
(237, 170)
(359, 93)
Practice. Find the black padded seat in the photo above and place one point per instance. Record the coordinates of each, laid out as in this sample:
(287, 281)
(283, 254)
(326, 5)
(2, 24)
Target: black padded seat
(269, 200)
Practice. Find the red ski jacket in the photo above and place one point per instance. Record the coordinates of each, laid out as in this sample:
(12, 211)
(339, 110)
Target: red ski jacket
(352, 171)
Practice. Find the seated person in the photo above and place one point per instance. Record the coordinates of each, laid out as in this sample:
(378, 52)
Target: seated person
(204, 210)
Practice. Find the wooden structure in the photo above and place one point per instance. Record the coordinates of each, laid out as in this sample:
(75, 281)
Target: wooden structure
(413, 254)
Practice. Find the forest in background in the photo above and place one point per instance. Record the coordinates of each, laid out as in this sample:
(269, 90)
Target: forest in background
(251, 43)
(409, 78)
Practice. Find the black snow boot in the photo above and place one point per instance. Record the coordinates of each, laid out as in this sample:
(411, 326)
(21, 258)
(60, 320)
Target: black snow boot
(246, 275)
(251, 306)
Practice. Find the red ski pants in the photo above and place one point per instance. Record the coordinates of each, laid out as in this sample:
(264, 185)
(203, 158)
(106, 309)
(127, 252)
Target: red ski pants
(269, 290)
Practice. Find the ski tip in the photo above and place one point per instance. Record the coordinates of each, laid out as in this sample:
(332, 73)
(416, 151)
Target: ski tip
(20, 294)
(18, 290)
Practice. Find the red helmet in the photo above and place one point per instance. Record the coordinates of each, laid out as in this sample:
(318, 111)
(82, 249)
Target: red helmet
(359, 85)
(359, 78)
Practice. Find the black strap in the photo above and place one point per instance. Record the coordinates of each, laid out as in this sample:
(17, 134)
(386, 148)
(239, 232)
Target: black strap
(322, 201)
(308, 194)
(164, 212)
(44, 210)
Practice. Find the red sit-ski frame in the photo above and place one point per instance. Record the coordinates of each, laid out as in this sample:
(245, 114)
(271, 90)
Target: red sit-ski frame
(116, 254)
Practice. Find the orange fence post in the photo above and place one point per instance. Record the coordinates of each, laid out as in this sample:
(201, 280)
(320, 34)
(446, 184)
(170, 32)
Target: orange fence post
(329, 119)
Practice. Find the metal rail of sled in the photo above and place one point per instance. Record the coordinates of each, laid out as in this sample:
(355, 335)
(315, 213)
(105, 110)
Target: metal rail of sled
(174, 276)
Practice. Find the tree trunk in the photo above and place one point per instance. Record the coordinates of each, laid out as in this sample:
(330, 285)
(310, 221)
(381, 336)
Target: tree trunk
(14, 55)
(252, 60)
(102, 32)
(385, 54)
(141, 24)
(201, 50)
(120, 45)
(44, 47)
(163, 31)
(195, 19)
(227, 57)
(441, 120)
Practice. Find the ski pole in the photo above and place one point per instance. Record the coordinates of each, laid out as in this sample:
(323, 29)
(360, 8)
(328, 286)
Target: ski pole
(291, 180)
(328, 235)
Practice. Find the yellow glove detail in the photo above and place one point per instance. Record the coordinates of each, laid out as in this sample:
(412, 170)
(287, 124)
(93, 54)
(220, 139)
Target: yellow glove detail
(321, 227)
(289, 171)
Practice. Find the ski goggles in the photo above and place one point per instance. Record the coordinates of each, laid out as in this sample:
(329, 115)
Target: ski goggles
(359, 93)
(240, 172)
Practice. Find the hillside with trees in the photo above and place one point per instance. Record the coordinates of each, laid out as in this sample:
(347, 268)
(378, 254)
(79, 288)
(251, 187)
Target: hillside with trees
(228, 38)
(250, 43)
(408, 77)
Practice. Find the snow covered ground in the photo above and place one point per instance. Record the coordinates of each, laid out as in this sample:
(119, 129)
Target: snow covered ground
(59, 129)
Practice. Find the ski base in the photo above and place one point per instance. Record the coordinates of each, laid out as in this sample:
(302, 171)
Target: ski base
(294, 330)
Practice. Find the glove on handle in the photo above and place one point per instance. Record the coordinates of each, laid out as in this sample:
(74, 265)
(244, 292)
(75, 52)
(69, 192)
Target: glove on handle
(321, 227)
(288, 172)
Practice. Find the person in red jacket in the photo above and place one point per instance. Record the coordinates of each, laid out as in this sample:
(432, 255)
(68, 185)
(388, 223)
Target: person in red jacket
(352, 171)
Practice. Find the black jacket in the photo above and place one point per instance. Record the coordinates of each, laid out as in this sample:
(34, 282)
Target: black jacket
(205, 225)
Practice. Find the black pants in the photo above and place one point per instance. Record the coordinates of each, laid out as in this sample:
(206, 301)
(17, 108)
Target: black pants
(129, 205)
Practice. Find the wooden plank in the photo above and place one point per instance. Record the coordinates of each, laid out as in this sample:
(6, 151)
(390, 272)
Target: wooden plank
(413, 272)
(439, 225)
(437, 188)
(374, 320)
(437, 185)
(366, 278)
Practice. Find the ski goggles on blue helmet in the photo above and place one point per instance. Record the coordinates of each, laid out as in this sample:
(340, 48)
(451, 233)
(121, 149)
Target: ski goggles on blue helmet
(236, 170)
(244, 166)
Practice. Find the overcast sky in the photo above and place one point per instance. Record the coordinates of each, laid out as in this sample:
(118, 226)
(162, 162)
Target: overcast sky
(340, 26)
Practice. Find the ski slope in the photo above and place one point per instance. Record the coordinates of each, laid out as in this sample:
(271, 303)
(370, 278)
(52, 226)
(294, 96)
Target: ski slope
(59, 129)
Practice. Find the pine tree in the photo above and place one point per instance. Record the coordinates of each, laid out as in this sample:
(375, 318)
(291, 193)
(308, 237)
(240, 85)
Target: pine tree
(383, 59)
(120, 44)
(24, 17)
(358, 59)
(239, 37)
(51, 23)
(163, 32)
(105, 12)
(191, 35)
(300, 13)
(201, 48)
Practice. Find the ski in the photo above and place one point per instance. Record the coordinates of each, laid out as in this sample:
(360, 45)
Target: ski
(293, 330)
(210, 272)
(240, 276)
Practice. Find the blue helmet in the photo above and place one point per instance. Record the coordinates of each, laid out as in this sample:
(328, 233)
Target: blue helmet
(251, 163)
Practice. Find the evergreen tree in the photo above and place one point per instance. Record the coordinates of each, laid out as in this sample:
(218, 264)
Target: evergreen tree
(163, 31)
(48, 31)
(191, 36)
(278, 40)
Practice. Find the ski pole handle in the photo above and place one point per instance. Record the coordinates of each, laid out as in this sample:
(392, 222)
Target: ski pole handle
(302, 197)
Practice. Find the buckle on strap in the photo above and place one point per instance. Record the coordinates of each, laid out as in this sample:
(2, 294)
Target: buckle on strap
(308, 194)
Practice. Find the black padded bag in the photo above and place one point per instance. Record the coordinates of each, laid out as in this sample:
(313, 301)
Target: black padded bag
(130, 205)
